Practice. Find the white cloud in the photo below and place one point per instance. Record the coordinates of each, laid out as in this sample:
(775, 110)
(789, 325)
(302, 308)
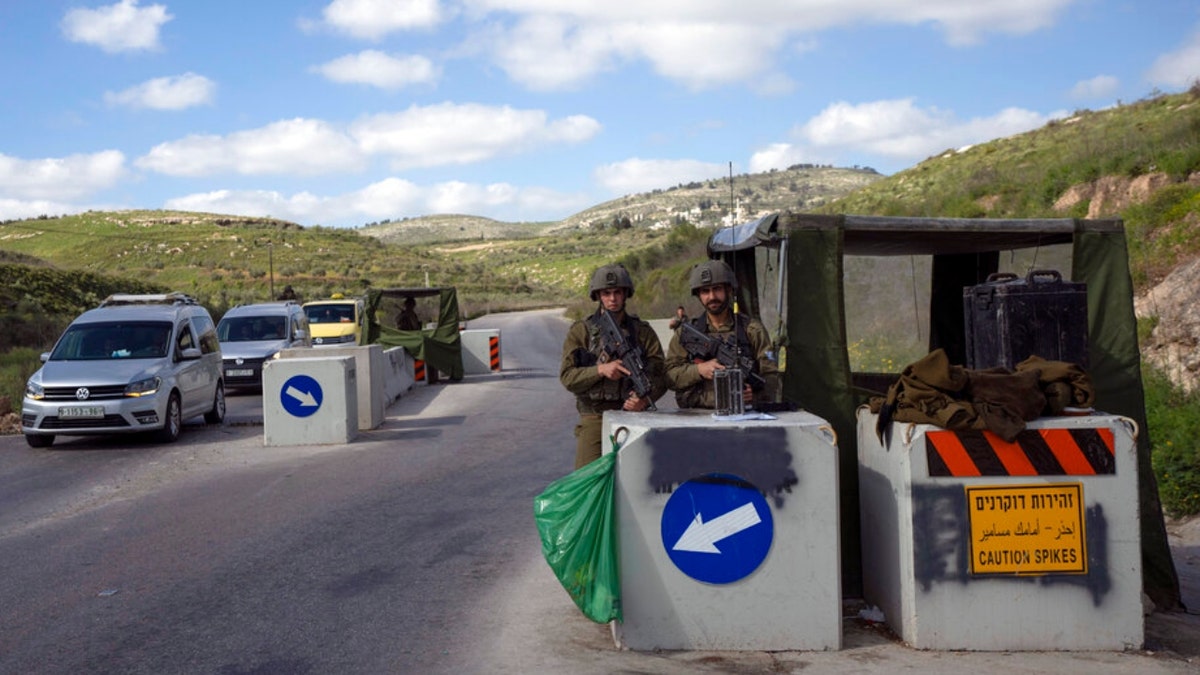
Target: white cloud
(434, 135)
(16, 209)
(899, 130)
(294, 147)
(685, 51)
(381, 70)
(1180, 68)
(373, 19)
(388, 198)
(59, 178)
(643, 175)
(166, 93)
(450, 133)
(552, 44)
(548, 53)
(383, 199)
(460, 197)
(779, 156)
(116, 28)
(1101, 86)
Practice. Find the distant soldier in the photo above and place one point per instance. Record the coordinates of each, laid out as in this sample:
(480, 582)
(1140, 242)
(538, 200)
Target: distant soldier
(679, 318)
(288, 293)
(408, 319)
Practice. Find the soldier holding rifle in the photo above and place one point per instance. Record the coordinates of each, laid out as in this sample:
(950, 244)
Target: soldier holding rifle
(611, 360)
(692, 359)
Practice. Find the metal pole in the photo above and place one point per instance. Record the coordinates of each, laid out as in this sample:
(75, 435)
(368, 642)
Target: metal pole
(271, 266)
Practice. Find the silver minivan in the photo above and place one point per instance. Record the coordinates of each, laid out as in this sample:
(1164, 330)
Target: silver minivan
(135, 363)
(251, 335)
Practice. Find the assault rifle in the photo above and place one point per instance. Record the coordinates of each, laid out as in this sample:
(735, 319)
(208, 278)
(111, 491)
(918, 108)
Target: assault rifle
(620, 347)
(703, 347)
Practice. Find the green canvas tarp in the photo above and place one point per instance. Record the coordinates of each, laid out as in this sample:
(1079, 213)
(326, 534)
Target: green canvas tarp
(780, 259)
(439, 347)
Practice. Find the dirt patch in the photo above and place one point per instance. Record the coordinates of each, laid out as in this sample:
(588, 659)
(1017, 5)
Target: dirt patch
(1107, 196)
(1178, 633)
(471, 247)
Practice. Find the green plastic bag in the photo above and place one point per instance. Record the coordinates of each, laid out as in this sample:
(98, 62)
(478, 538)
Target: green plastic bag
(575, 520)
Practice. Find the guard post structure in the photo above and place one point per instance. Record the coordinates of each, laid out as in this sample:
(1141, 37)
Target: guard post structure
(974, 543)
(728, 532)
(310, 401)
(480, 350)
(370, 383)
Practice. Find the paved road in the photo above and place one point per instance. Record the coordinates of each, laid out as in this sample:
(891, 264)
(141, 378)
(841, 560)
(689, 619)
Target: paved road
(410, 550)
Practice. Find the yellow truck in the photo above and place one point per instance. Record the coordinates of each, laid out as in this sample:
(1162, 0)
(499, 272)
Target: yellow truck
(337, 321)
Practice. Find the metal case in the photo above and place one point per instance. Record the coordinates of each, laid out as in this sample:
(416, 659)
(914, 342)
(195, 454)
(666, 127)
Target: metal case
(1008, 319)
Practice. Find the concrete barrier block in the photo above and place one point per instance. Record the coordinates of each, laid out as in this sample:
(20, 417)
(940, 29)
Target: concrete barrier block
(728, 532)
(311, 401)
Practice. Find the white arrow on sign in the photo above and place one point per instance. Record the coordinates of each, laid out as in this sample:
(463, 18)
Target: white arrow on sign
(305, 398)
(701, 537)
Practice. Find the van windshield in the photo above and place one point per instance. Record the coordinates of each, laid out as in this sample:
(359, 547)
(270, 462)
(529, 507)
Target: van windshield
(330, 313)
(252, 328)
(102, 341)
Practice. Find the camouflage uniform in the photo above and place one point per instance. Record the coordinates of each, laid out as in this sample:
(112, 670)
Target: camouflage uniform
(692, 390)
(595, 394)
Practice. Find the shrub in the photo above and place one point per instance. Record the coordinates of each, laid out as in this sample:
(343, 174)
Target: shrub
(1174, 420)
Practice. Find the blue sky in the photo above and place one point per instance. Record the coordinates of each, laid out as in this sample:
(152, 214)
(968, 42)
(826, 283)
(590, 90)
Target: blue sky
(345, 112)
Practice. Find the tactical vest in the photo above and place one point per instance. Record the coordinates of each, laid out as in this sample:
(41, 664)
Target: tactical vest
(700, 395)
(741, 321)
(607, 390)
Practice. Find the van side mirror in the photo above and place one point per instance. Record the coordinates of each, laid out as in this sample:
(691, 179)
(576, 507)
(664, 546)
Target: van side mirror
(190, 354)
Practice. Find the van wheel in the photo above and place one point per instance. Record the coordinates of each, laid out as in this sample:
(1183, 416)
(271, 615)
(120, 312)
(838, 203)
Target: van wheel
(217, 414)
(39, 440)
(174, 422)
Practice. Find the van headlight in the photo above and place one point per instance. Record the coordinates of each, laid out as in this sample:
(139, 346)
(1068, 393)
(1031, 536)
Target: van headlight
(34, 391)
(144, 387)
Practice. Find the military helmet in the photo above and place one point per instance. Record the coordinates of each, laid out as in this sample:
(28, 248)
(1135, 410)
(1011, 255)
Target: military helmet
(711, 273)
(611, 276)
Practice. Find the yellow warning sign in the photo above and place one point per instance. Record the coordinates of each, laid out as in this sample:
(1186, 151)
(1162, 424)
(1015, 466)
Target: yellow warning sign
(1027, 529)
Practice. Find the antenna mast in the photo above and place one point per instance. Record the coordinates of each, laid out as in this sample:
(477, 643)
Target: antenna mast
(732, 211)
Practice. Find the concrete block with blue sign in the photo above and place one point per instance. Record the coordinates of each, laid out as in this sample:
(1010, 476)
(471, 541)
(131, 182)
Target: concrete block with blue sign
(728, 532)
(370, 383)
(311, 401)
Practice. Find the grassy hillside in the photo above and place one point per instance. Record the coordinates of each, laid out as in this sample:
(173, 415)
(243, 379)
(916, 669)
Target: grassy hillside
(707, 203)
(450, 227)
(227, 260)
(701, 203)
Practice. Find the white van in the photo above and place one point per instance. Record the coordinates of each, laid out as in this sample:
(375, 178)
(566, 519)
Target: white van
(136, 363)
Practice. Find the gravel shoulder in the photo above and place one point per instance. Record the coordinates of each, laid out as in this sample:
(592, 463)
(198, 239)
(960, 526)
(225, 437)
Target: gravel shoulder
(1177, 634)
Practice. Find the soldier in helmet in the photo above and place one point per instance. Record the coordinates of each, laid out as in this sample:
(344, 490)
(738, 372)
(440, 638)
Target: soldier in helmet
(599, 383)
(713, 283)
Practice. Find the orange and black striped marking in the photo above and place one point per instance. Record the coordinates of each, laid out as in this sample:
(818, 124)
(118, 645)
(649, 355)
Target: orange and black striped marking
(418, 370)
(494, 351)
(1035, 452)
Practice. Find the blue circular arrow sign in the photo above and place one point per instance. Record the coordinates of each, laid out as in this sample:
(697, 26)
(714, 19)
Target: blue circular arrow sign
(717, 528)
(301, 395)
